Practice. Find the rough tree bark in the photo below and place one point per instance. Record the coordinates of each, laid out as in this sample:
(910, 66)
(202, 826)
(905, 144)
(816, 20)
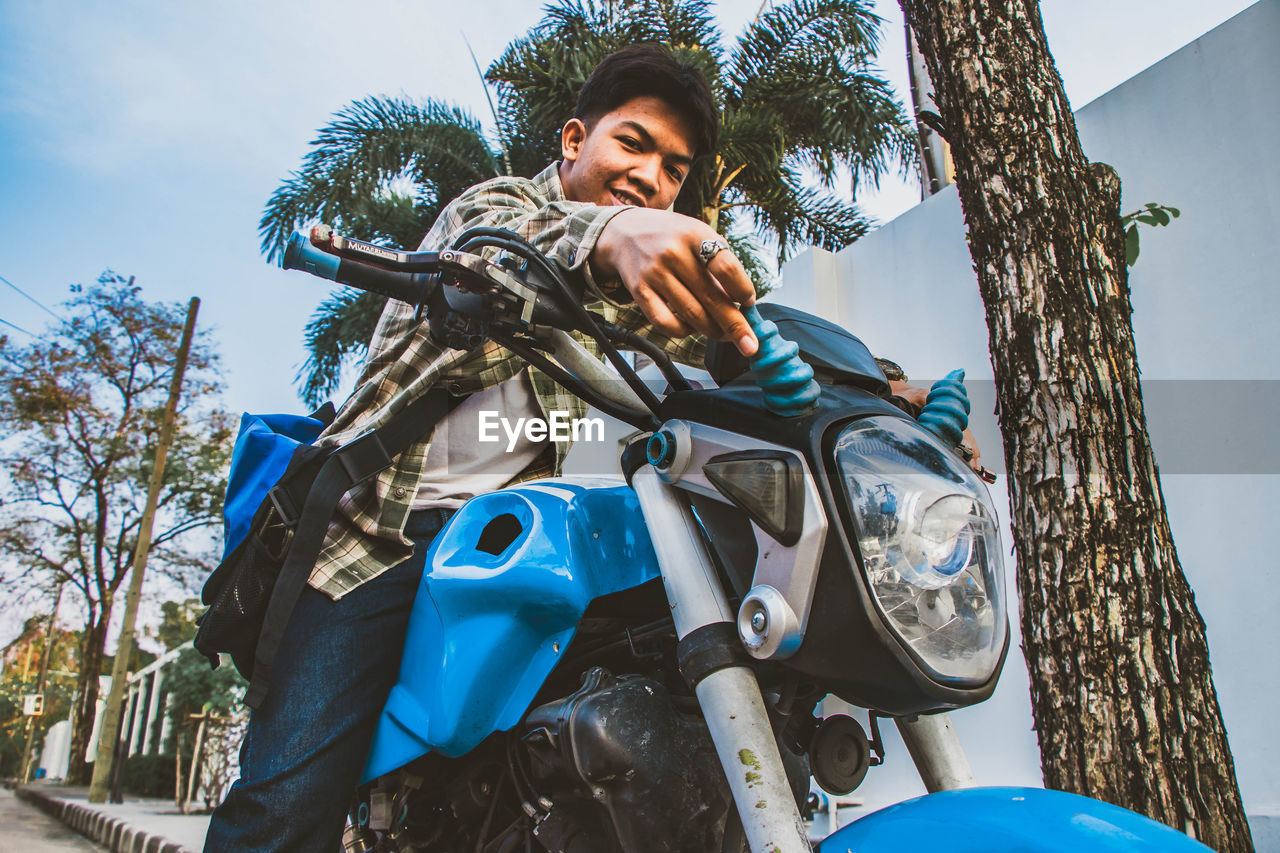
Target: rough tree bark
(86, 704)
(1122, 695)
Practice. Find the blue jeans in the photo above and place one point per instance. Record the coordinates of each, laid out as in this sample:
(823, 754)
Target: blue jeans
(306, 745)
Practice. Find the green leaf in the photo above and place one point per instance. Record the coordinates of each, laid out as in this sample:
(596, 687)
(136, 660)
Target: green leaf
(1174, 212)
(1161, 217)
(1148, 220)
(1131, 245)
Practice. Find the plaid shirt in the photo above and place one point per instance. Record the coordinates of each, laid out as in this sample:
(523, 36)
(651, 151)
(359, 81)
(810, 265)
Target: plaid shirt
(365, 537)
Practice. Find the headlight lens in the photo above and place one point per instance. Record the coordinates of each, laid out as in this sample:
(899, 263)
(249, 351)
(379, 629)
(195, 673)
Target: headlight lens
(927, 531)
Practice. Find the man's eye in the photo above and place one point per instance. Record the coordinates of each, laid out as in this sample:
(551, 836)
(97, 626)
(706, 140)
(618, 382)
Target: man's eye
(628, 142)
(675, 173)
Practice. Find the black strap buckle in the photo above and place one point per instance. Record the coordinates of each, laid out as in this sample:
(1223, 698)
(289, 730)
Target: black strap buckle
(363, 457)
(287, 511)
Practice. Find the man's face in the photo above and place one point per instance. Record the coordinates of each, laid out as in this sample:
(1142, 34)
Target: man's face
(639, 154)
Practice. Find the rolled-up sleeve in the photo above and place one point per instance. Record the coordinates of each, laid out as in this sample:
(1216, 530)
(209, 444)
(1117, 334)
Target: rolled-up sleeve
(565, 231)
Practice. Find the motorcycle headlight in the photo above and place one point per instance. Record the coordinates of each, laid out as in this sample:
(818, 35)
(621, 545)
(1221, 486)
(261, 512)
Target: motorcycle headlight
(926, 528)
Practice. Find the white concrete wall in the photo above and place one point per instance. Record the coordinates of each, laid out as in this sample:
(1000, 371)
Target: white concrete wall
(55, 756)
(1195, 131)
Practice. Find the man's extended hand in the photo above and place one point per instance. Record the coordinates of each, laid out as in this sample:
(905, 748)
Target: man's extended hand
(654, 253)
(918, 397)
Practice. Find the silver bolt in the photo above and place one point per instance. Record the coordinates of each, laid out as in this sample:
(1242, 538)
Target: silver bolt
(759, 621)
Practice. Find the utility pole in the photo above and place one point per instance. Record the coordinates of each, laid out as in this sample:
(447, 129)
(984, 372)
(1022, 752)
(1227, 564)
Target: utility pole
(124, 648)
(42, 681)
(936, 170)
(206, 719)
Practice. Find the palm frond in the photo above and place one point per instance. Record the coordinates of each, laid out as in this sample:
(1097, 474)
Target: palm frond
(341, 326)
(844, 28)
(748, 252)
(830, 121)
(797, 215)
(804, 68)
(753, 139)
(368, 146)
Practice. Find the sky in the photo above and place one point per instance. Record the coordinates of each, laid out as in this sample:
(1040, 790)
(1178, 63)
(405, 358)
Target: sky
(145, 136)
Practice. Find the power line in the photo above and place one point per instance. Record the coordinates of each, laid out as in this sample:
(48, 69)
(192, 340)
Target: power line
(47, 310)
(19, 328)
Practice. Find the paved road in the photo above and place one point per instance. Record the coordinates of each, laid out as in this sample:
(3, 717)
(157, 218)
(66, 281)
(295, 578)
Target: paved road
(24, 827)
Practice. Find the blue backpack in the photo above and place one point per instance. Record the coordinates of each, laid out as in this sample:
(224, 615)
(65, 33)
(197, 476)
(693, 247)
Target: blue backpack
(281, 493)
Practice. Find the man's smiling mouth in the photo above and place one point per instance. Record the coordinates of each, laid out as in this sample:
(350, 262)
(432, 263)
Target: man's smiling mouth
(624, 197)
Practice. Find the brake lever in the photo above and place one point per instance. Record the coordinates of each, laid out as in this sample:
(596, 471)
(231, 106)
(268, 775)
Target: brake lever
(323, 238)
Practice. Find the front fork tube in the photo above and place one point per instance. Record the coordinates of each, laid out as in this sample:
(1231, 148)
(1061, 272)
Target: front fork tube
(730, 698)
(935, 748)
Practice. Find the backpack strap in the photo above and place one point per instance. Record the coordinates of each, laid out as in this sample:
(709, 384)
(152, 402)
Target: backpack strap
(307, 505)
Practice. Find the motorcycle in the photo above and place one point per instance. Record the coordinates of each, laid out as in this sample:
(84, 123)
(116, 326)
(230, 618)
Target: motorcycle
(599, 664)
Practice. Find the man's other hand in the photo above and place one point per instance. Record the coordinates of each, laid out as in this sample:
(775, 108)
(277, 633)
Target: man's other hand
(654, 253)
(968, 444)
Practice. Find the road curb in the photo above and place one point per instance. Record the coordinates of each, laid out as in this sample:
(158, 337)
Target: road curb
(111, 832)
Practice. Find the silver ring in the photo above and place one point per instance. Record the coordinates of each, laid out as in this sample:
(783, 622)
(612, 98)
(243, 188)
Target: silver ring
(710, 248)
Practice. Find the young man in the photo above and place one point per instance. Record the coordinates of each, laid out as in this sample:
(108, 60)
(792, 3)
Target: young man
(641, 121)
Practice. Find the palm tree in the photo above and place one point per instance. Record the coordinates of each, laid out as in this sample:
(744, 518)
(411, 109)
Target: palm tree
(800, 102)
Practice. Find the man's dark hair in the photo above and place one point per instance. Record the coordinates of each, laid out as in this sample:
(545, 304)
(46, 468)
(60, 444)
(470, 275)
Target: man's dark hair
(651, 69)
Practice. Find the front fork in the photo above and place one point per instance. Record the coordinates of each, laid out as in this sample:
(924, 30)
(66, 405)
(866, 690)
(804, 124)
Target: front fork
(730, 697)
(935, 748)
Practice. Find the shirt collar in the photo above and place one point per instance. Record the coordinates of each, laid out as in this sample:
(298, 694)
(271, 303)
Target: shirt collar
(548, 182)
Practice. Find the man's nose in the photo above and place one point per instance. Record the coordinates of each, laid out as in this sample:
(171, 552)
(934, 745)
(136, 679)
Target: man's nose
(644, 176)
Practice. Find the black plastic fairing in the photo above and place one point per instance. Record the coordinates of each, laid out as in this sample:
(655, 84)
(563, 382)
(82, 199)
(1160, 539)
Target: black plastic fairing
(836, 355)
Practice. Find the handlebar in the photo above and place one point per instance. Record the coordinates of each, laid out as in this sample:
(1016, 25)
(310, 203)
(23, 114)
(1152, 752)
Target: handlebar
(303, 254)
(518, 300)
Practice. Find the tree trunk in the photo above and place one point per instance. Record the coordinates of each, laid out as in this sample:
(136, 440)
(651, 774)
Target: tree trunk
(1122, 694)
(91, 653)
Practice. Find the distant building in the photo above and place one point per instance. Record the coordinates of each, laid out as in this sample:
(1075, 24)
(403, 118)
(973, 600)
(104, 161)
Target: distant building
(144, 721)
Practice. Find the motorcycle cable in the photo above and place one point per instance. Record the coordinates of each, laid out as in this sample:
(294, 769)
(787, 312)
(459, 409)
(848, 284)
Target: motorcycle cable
(522, 348)
(482, 837)
(519, 246)
(525, 792)
(612, 642)
(646, 347)
(593, 324)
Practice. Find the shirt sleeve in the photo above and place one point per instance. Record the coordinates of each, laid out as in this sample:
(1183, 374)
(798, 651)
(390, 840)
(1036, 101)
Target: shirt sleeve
(565, 231)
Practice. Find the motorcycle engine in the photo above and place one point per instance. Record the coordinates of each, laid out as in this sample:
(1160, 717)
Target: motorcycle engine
(624, 770)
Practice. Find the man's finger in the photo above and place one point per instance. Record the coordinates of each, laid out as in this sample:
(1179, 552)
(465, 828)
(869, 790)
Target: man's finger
(733, 327)
(732, 276)
(684, 304)
(728, 282)
(656, 309)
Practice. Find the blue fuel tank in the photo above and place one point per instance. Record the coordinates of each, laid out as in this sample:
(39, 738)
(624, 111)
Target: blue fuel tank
(507, 580)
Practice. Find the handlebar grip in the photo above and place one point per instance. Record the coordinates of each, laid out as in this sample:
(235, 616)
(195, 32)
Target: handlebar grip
(413, 288)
